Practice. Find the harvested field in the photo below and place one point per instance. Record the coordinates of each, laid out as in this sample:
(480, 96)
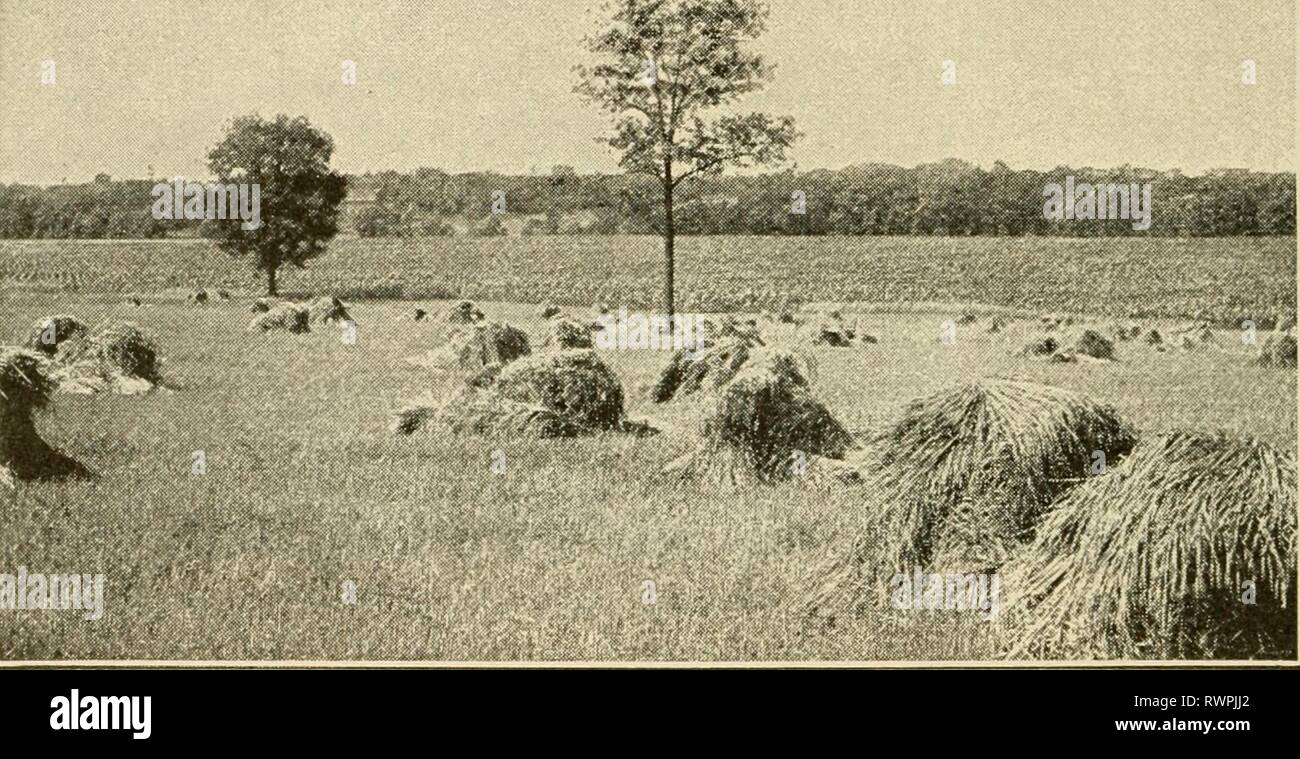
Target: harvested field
(305, 480)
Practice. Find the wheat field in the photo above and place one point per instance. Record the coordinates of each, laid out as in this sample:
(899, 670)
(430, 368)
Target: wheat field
(564, 550)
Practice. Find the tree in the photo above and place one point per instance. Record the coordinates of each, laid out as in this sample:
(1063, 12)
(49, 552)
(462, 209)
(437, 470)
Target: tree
(288, 160)
(659, 66)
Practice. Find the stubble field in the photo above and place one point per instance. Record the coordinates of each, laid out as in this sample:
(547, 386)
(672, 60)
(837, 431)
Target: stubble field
(306, 489)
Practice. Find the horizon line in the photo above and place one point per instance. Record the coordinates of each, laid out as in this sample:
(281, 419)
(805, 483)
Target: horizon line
(742, 173)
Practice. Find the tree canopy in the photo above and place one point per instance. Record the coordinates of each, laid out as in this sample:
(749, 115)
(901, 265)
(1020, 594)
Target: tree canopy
(300, 195)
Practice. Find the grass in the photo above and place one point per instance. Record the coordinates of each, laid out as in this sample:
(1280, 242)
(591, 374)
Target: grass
(1226, 280)
(306, 489)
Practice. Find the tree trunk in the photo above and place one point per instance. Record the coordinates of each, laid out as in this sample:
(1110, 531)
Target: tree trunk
(668, 240)
(271, 289)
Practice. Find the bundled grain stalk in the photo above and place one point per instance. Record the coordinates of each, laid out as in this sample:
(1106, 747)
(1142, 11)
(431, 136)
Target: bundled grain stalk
(707, 359)
(765, 426)
(327, 309)
(1088, 345)
(962, 477)
(464, 313)
(1093, 344)
(1126, 332)
(575, 384)
(25, 387)
(118, 358)
(708, 367)
(52, 331)
(833, 334)
(569, 334)
(282, 317)
(558, 394)
(479, 411)
(1185, 550)
(478, 352)
(1279, 349)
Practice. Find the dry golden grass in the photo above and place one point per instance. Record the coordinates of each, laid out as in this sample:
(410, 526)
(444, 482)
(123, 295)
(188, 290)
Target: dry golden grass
(306, 489)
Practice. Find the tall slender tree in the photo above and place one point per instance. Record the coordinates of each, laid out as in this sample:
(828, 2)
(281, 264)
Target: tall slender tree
(660, 67)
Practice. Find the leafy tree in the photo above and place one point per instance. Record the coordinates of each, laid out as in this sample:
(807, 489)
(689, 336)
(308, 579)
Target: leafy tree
(659, 67)
(288, 160)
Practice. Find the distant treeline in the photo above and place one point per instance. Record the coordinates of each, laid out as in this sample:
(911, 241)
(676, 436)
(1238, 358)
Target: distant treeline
(951, 197)
(100, 209)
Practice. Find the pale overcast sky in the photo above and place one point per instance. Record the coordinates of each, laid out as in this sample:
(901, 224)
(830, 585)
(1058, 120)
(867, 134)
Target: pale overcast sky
(487, 84)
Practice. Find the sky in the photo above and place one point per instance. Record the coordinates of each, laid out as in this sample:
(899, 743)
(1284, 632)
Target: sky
(146, 88)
